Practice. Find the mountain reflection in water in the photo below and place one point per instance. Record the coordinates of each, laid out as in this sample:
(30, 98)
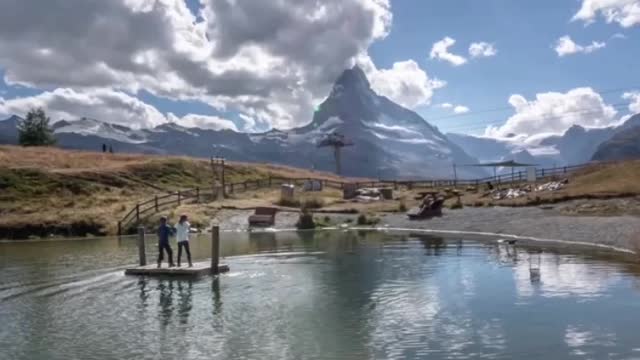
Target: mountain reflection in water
(318, 295)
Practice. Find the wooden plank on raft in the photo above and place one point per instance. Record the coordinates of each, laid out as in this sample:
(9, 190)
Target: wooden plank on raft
(198, 269)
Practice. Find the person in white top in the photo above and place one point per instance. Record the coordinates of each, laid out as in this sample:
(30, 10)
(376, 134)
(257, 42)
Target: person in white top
(182, 236)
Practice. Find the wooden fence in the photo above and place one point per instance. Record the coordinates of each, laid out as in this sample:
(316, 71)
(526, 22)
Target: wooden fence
(153, 205)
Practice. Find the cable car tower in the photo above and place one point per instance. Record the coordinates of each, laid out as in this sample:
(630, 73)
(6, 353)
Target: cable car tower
(337, 142)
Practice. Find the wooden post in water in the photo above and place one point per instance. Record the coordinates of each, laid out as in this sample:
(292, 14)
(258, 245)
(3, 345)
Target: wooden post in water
(215, 249)
(141, 251)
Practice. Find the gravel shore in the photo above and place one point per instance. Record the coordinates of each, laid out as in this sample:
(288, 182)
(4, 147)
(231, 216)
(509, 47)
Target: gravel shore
(622, 232)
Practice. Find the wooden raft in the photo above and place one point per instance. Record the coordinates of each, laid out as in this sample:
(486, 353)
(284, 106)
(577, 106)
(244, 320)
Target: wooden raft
(198, 269)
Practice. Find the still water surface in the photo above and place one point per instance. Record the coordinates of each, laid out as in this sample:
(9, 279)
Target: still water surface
(327, 295)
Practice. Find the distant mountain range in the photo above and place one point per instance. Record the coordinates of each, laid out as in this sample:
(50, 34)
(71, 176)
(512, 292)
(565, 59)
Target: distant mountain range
(577, 145)
(624, 145)
(389, 140)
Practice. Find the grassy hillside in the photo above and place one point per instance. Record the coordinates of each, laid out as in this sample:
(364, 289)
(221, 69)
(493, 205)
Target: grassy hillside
(52, 191)
(47, 191)
(599, 181)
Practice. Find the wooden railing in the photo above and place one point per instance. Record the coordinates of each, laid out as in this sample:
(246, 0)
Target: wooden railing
(153, 205)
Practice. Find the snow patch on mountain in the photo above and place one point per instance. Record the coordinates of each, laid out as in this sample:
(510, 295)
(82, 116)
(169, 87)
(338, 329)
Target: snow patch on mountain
(92, 127)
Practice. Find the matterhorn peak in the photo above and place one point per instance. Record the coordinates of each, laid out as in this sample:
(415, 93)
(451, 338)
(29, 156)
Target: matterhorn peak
(353, 78)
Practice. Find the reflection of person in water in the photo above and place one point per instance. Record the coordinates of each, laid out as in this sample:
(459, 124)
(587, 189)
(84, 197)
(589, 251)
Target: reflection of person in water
(185, 302)
(165, 287)
(534, 267)
(144, 291)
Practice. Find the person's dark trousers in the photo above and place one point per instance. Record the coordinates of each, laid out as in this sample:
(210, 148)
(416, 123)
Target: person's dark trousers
(185, 245)
(166, 247)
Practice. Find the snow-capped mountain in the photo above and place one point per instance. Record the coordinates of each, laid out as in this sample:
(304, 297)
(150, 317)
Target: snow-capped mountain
(623, 145)
(389, 140)
(576, 146)
(87, 127)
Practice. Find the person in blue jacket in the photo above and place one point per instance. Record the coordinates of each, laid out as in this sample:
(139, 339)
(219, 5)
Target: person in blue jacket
(164, 233)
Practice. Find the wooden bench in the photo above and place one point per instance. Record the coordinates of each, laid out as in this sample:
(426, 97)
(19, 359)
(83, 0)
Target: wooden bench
(425, 212)
(263, 216)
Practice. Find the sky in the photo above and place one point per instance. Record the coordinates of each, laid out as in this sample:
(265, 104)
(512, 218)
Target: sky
(491, 68)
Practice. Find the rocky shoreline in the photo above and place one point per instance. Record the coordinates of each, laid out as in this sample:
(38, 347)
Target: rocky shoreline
(619, 232)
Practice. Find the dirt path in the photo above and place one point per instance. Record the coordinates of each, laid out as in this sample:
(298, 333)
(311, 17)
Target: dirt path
(545, 223)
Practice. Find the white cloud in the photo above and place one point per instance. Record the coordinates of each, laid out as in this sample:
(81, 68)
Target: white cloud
(405, 82)
(624, 12)
(202, 121)
(440, 51)
(460, 109)
(482, 49)
(106, 105)
(554, 113)
(619, 36)
(269, 60)
(634, 98)
(457, 109)
(565, 46)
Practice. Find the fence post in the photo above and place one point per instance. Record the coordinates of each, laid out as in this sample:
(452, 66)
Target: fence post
(119, 228)
(270, 181)
(245, 185)
(137, 213)
(156, 202)
(141, 250)
(179, 198)
(198, 195)
(215, 249)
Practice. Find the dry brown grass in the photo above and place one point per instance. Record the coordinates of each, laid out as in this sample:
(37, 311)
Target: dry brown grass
(51, 158)
(617, 178)
(600, 181)
(55, 190)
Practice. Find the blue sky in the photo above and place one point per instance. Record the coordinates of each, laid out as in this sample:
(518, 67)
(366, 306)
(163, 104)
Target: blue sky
(524, 34)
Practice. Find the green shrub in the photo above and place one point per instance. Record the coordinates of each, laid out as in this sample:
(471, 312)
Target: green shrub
(288, 203)
(367, 220)
(312, 203)
(305, 221)
(456, 205)
(35, 129)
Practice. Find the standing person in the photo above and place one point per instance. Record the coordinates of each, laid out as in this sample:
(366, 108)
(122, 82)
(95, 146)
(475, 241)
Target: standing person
(164, 232)
(182, 235)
